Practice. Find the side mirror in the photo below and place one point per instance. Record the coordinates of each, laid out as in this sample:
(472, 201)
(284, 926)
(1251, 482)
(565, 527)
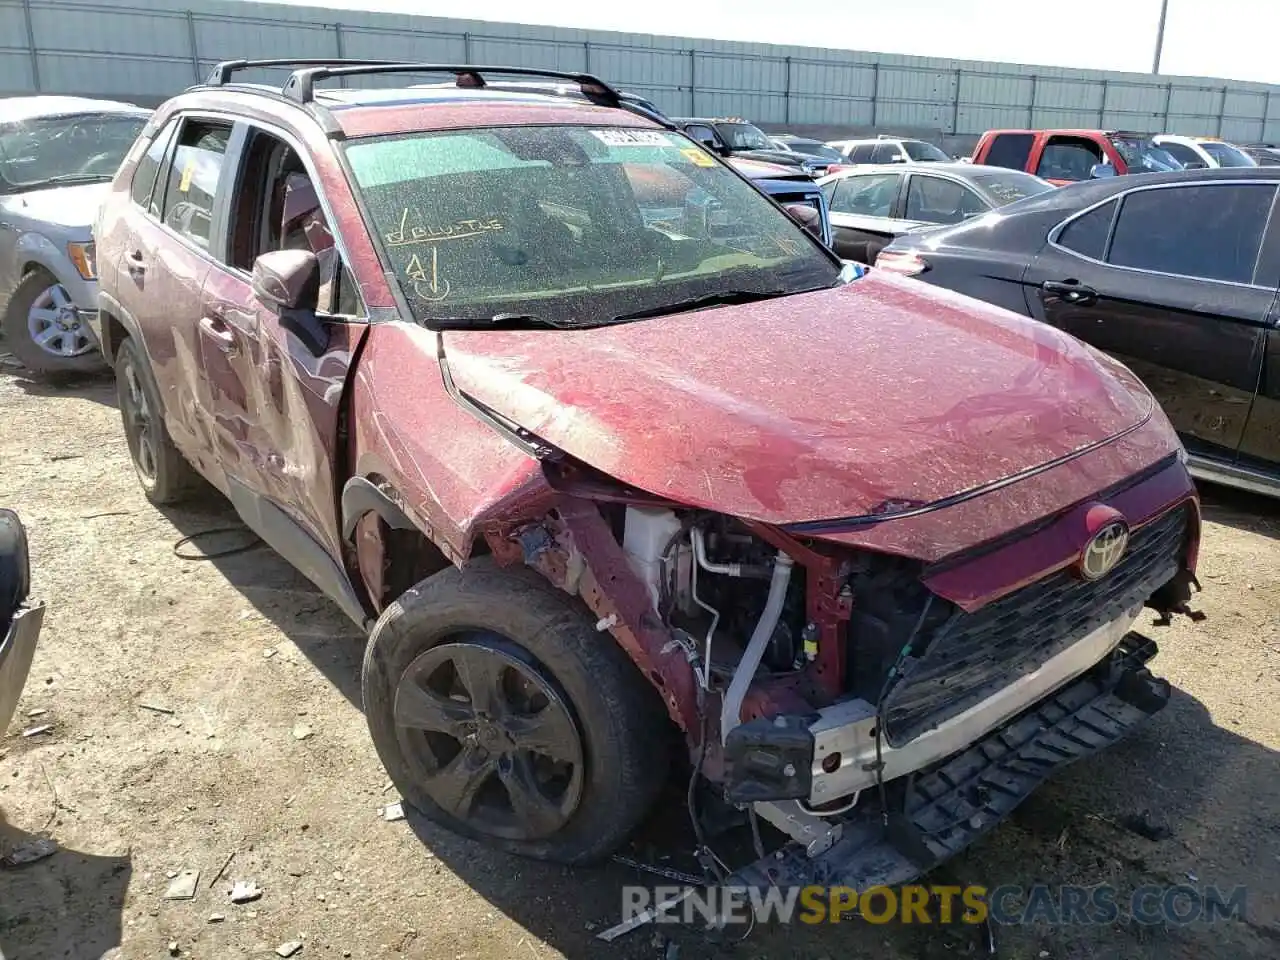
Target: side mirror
(806, 216)
(1195, 165)
(1100, 171)
(287, 282)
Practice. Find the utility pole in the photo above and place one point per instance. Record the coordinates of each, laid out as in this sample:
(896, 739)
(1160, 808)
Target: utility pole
(1164, 12)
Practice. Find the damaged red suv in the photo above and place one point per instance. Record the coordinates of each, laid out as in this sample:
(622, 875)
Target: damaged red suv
(594, 465)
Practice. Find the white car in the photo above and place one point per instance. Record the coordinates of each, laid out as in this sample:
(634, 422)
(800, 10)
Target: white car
(1203, 152)
(888, 150)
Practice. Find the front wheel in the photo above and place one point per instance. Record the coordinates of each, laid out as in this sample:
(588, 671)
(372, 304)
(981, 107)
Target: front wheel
(45, 330)
(501, 713)
(164, 473)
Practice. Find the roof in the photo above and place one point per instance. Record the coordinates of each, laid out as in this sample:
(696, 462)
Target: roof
(1070, 131)
(963, 171)
(373, 111)
(14, 109)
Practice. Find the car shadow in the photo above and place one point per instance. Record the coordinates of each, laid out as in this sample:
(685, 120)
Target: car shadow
(1250, 512)
(98, 385)
(68, 905)
(275, 589)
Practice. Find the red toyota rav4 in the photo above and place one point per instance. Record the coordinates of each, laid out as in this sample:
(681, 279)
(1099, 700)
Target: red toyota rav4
(592, 468)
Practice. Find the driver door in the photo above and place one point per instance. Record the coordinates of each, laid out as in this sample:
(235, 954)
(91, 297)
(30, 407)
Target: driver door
(274, 400)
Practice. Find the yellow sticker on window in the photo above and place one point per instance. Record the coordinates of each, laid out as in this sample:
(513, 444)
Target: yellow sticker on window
(187, 173)
(698, 157)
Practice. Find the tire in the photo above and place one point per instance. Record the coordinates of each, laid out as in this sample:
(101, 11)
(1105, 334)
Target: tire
(15, 567)
(19, 339)
(164, 473)
(521, 620)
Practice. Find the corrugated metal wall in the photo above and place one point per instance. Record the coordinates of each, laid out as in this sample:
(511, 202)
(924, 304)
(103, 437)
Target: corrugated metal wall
(148, 49)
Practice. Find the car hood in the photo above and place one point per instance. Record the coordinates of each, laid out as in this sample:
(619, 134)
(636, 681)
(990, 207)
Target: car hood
(784, 157)
(70, 206)
(880, 395)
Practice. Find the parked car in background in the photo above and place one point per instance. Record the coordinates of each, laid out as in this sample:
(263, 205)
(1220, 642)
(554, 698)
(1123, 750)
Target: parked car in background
(732, 137)
(871, 205)
(1173, 274)
(1264, 154)
(57, 156)
(888, 150)
(1202, 153)
(594, 476)
(19, 622)
(807, 146)
(1069, 156)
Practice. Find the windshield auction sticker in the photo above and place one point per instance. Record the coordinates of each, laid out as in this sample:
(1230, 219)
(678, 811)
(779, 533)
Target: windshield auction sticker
(632, 138)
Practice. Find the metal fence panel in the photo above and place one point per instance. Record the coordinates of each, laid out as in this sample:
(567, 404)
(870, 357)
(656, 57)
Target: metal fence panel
(149, 49)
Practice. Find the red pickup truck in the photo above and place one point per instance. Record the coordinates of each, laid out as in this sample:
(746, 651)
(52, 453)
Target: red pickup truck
(1066, 156)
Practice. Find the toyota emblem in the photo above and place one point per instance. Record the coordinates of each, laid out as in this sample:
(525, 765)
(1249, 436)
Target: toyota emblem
(1104, 550)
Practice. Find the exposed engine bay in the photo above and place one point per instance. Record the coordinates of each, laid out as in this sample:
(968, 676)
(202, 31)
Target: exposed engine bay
(920, 678)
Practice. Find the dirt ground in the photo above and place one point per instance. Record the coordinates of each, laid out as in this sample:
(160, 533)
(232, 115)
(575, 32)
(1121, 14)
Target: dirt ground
(246, 659)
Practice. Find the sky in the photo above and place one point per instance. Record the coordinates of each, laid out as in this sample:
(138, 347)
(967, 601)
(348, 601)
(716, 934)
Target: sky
(1236, 39)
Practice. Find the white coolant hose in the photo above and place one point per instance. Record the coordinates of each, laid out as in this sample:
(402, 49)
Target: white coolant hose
(731, 712)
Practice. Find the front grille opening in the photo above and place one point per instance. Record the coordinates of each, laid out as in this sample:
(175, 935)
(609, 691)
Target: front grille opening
(962, 658)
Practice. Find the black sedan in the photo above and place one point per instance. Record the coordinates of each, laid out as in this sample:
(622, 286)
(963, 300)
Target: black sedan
(872, 204)
(1174, 274)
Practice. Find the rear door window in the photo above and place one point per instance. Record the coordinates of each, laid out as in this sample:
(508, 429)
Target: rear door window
(863, 153)
(1210, 231)
(194, 179)
(1010, 150)
(1087, 235)
(867, 196)
(1068, 158)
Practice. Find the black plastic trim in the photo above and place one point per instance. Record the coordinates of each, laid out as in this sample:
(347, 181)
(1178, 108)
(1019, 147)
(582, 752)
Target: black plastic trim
(360, 496)
(288, 538)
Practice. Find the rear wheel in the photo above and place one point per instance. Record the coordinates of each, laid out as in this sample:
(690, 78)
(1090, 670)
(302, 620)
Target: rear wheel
(45, 330)
(500, 712)
(164, 473)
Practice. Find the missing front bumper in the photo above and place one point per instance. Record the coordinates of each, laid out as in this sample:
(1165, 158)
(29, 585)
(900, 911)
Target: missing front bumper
(937, 812)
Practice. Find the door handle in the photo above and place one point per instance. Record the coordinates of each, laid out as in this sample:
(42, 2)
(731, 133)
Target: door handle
(1075, 293)
(216, 328)
(134, 262)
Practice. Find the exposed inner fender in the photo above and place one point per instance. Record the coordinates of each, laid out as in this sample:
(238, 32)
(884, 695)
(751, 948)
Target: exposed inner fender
(360, 496)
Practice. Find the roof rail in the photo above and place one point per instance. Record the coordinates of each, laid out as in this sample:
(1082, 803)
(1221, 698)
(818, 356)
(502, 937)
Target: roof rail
(301, 84)
(221, 74)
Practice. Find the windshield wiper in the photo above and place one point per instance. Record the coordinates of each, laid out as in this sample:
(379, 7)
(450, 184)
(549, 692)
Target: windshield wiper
(68, 178)
(506, 320)
(723, 298)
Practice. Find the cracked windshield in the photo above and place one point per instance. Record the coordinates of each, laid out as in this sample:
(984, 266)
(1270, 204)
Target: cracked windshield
(579, 225)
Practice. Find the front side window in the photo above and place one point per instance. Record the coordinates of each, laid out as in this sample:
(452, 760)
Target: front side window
(885, 153)
(51, 151)
(1226, 154)
(142, 189)
(1212, 231)
(935, 200)
(1189, 159)
(744, 136)
(867, 196)
(573, 225)
(1068, 158)
(920, 150)
(194, 178)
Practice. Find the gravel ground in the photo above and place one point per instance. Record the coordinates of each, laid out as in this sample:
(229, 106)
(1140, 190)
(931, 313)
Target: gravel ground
(257, 765)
